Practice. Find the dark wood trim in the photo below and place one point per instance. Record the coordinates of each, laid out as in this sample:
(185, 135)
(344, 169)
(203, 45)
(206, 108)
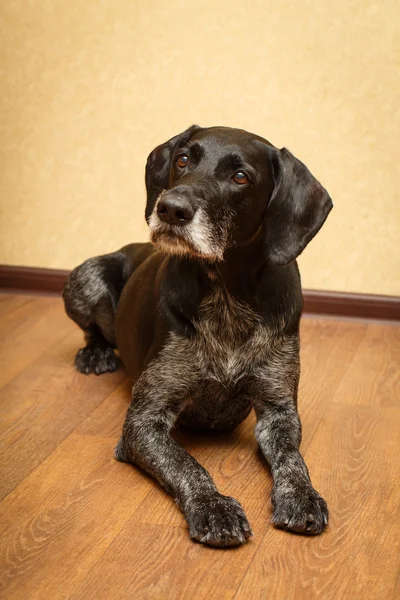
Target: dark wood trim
(341, 304)
(32, 279)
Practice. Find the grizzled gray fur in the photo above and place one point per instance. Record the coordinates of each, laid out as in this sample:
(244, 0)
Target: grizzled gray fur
(206, 320)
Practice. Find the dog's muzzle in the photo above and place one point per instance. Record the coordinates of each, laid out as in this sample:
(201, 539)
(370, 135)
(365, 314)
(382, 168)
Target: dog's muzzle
(179, 226)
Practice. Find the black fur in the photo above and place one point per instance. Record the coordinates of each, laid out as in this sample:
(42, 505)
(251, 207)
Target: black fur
(207, 321)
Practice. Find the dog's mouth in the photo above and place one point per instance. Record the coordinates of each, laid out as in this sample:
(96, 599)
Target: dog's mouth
(170, 241)
(195, 239)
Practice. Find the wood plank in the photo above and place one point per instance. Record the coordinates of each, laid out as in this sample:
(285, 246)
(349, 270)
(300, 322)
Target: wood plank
(23, 314)
(108, 418)
(373, 377)
(354, 462)
(29, 330)
(327, 347)
(42, 405)
(11, 301)
(58, 522)
(14, 400)
(164, 565)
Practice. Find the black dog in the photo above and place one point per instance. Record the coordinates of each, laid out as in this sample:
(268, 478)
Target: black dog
(207, 321)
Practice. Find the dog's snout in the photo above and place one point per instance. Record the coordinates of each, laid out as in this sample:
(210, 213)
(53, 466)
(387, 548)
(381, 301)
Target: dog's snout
(175, 210)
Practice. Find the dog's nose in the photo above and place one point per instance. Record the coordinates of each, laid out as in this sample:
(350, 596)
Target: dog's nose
(175, 211)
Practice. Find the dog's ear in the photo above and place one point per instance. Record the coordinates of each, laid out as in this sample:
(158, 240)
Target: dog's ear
(296, 210)
(158, 167)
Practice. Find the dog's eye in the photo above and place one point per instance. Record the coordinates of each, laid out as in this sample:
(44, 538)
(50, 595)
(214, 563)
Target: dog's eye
(240, 178)
(183, 160)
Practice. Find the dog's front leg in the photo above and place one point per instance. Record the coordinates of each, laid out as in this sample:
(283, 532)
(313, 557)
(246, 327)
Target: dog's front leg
(146, 441)
(297, 506)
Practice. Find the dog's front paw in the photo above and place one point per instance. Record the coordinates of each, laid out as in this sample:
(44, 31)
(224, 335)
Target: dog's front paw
(217, 520)
(96, 359)
(299, 508)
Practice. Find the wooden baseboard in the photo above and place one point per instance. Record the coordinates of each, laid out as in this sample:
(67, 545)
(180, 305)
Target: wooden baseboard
(32, 279)
(343, 304)
(365, 306)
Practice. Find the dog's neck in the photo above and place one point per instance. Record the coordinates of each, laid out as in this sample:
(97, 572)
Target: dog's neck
(240, 267)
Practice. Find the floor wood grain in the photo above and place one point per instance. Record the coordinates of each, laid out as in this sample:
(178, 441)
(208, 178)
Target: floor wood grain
(76, 524)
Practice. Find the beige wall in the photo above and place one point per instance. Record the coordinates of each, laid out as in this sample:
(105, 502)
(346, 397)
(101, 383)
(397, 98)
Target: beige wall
(89, 87)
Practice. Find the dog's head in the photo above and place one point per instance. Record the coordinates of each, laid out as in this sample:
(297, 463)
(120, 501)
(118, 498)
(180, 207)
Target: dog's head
(210, 189)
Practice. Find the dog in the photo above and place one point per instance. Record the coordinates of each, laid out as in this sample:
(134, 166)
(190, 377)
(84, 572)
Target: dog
(206, 320)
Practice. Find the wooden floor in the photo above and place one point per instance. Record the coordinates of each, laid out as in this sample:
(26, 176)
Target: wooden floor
(76, 524)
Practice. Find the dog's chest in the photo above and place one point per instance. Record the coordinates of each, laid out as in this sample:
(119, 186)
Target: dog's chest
(231, 338)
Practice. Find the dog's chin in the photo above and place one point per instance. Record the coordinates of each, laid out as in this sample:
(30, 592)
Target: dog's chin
(178, 245)
(170, 243)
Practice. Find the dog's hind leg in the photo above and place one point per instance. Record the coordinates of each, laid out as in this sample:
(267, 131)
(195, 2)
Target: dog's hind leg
(91, 295)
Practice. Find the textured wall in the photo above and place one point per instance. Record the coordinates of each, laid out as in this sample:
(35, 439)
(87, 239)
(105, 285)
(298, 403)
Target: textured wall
(89, 87)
